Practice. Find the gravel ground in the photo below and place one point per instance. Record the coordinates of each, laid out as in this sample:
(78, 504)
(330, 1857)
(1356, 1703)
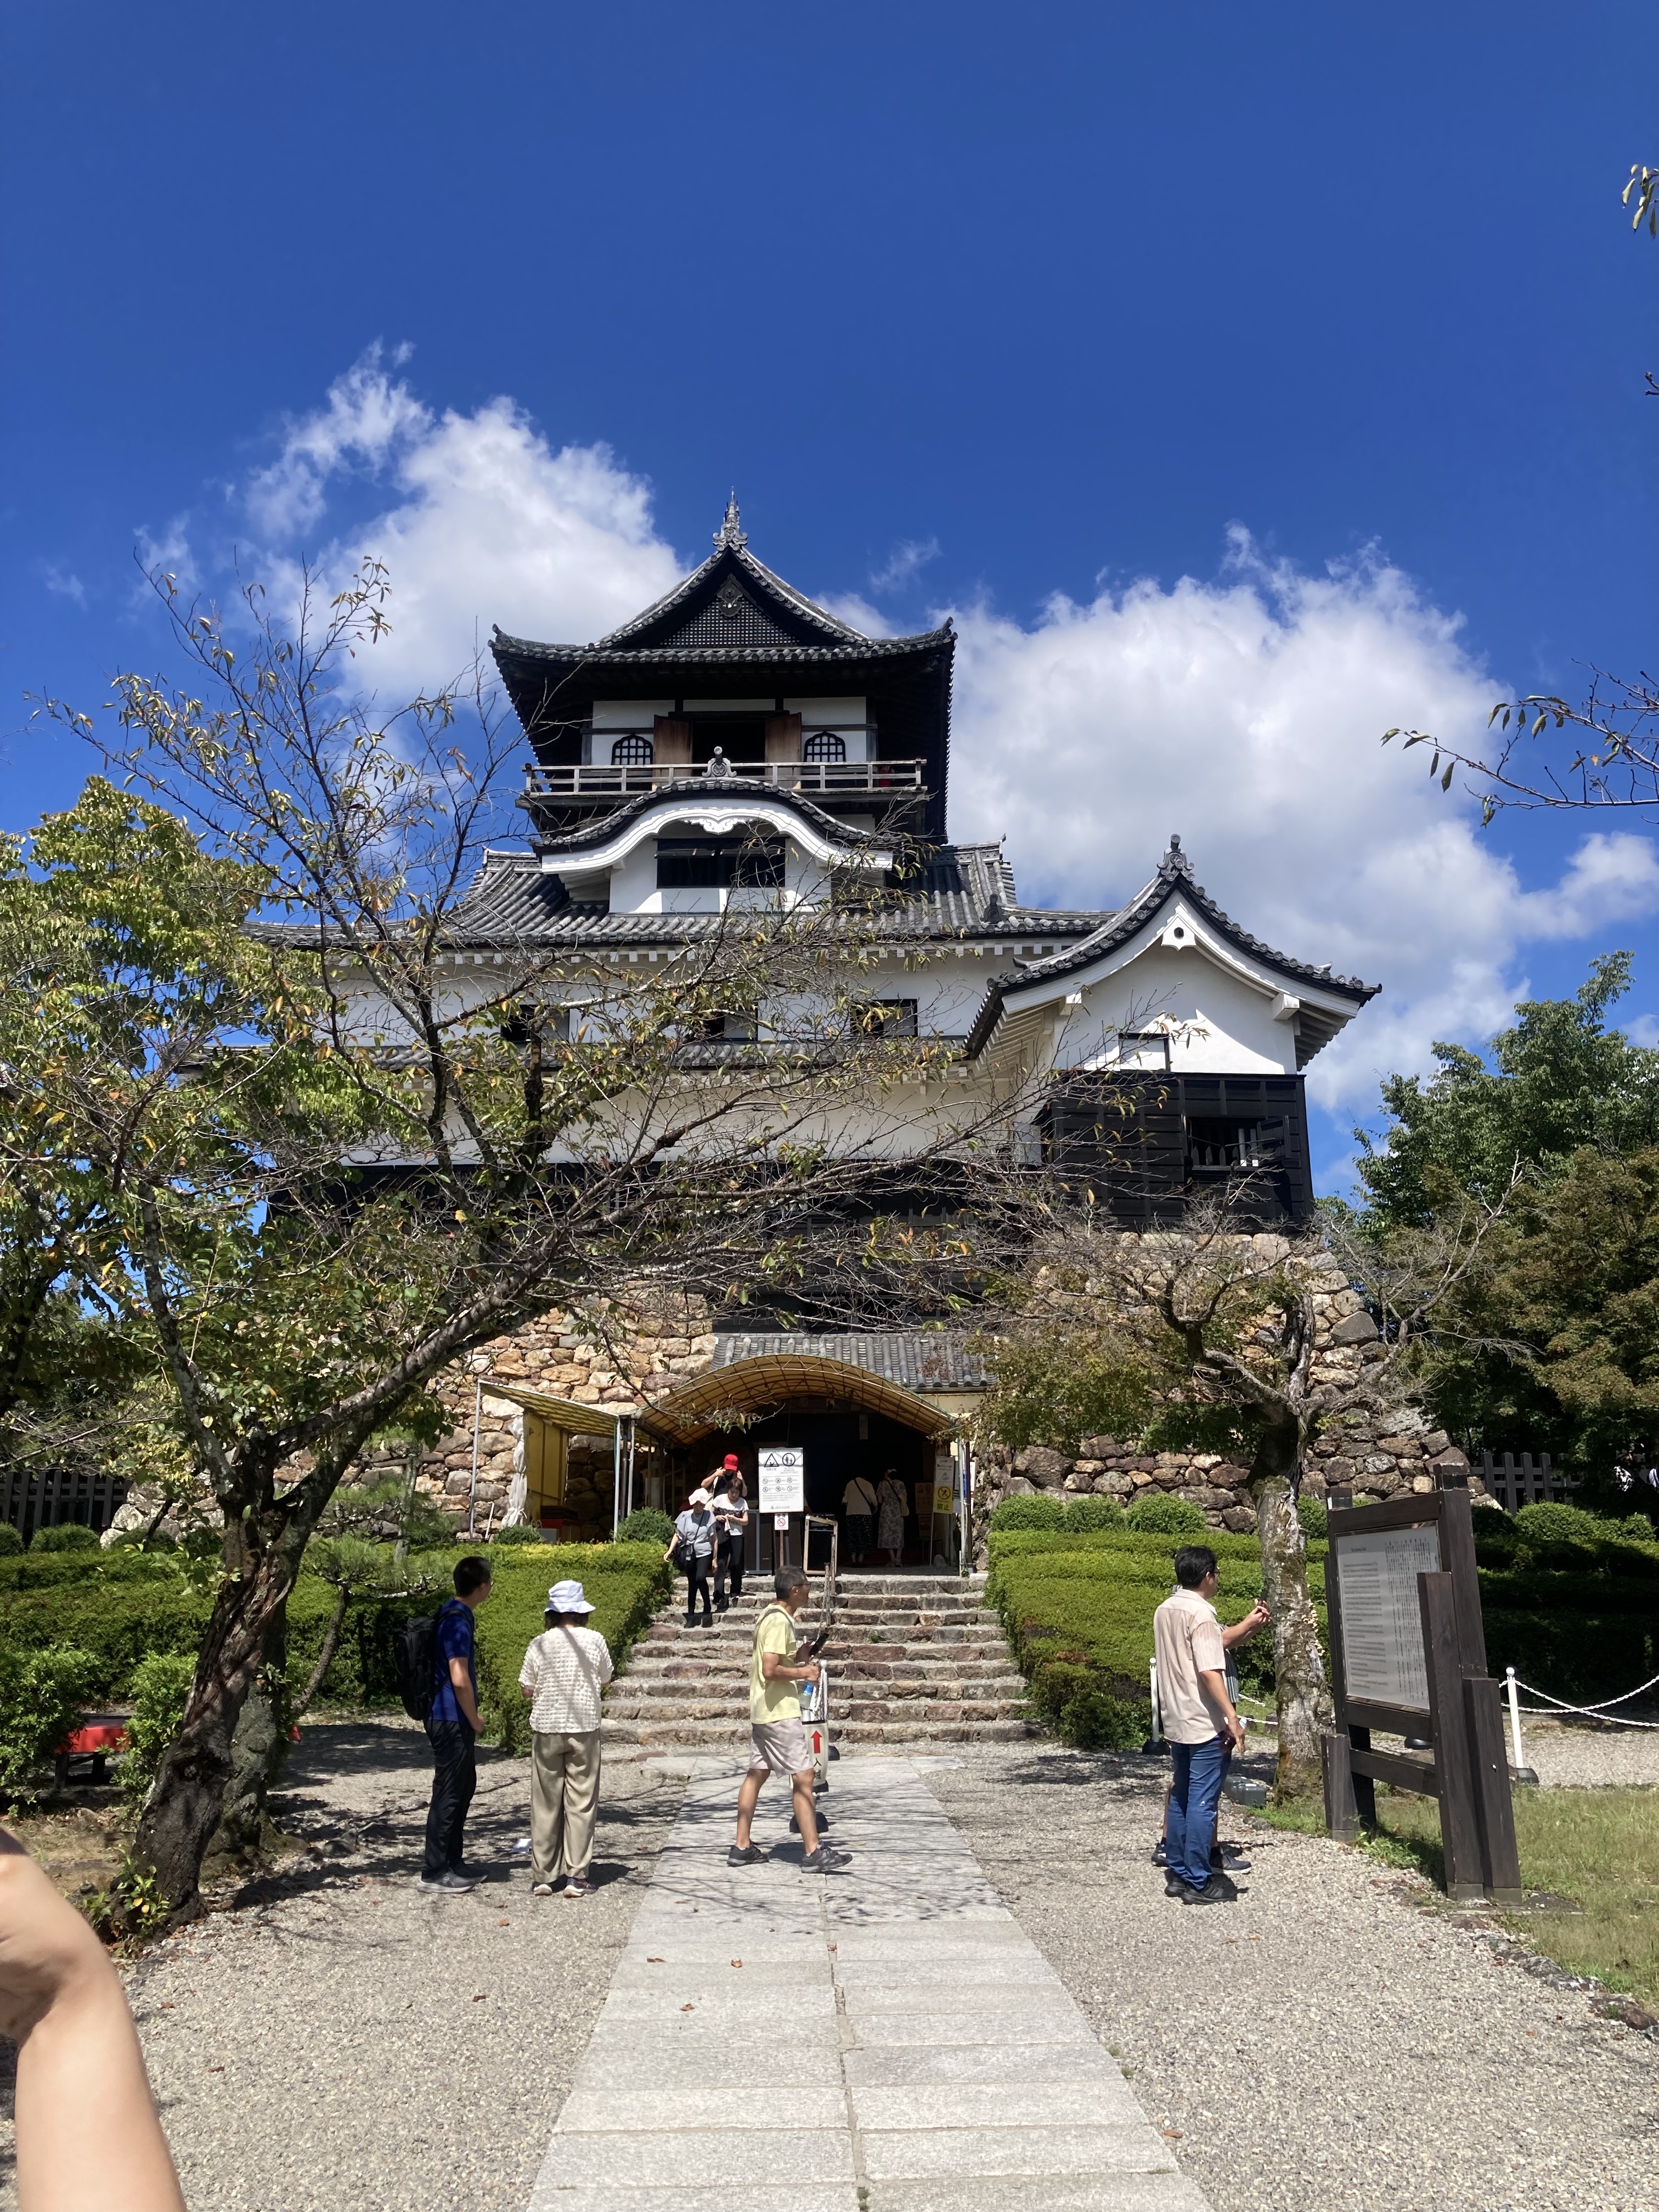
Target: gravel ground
(339, 2041)
(1589, 1758)
(1322, 2044)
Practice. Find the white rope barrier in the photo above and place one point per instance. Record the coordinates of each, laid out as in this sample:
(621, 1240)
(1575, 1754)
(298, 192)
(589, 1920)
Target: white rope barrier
(1552, 1706)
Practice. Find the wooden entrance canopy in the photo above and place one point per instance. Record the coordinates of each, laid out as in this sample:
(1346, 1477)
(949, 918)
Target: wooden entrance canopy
(696, 1408)
(544, 1458)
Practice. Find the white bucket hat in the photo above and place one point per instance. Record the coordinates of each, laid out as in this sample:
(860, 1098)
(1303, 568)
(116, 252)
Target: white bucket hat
(700, 1498)
(568, 1597)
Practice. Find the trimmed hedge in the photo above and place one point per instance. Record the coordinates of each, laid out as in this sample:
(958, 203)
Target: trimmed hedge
(1584, 1629)
(124, 1607)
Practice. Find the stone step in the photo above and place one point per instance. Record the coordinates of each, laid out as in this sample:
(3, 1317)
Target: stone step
(634, 1739)
(870, 1700)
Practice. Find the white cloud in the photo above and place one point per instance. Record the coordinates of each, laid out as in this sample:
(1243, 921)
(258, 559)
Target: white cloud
(63, 583)
(1246, 713)
(488, 523)
(904, 564)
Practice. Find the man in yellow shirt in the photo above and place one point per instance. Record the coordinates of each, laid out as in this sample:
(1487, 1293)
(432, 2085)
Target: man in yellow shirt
(774, 1726)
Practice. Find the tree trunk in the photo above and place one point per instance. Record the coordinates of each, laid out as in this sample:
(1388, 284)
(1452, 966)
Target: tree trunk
(325, 1657)
(184, 1809)
(1303, 1697)
(259, 1746)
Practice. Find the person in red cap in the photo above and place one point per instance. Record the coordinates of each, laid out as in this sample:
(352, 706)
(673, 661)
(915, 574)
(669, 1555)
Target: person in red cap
(732, 1517)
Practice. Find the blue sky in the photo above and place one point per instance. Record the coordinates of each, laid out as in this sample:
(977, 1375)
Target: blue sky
(1026, 314)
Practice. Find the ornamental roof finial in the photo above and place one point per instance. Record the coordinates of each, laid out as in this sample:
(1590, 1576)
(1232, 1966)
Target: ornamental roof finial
(1174, 859)
(731, 532)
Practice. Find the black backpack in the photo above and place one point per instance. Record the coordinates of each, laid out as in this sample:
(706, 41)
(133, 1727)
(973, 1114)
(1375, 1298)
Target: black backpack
(414, 1655)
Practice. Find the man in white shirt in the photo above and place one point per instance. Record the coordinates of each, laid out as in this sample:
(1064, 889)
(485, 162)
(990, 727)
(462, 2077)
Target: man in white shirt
(1200, 1721)
(565, 1670)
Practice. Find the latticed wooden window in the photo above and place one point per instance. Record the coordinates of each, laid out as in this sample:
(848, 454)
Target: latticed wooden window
(824, 746)
(632, 752)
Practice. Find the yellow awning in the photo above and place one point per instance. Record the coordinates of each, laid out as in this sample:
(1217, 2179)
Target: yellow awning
(567, 1413)
(695, 1408)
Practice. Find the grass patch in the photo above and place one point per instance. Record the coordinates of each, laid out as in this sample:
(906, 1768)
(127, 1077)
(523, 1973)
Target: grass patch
(1599, 1848)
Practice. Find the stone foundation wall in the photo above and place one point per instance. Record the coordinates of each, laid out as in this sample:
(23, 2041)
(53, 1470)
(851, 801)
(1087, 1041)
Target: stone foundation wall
(657, 1347)
(1375, 1456)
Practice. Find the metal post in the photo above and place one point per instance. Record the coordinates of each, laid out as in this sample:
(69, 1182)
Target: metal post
(1512, 1691)
(1157, 1719)
(472, 1492)
(616, 1479)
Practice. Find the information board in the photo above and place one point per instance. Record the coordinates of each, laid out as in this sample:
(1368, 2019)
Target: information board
(1382, 1616)
(782, 1471)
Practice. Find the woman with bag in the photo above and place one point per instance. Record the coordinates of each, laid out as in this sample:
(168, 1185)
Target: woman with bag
(692, 1552)
(731, 1513)
(565, 1670)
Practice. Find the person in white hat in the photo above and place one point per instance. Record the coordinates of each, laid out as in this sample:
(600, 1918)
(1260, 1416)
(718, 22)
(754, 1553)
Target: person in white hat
(691, 1549)
(564, 1672)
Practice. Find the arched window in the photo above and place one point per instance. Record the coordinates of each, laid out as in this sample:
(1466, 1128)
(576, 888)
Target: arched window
(632, 752)
(824, 745)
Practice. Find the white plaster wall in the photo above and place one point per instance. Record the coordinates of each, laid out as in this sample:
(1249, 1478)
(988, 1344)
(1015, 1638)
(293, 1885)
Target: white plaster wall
(844, 716)
(1219, 1024)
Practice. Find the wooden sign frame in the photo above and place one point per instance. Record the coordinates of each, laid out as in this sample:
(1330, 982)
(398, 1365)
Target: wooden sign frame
(1467, 1768)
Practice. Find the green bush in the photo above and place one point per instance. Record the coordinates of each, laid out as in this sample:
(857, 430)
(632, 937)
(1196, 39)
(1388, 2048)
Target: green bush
(645, 1524)
(520, 1532)
(1316, 1521)
(11, 1543)
(1155, 1513)
(67, 1536)
(43, 1695)
(1094, 1720)
(1033, 1512)
(1085, 1514)
(160, 1686)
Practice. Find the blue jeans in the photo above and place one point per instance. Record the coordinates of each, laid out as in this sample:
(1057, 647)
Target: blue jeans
(1199, 1771)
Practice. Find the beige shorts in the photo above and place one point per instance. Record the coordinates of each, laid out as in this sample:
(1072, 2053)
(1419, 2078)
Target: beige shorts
(780, 1747)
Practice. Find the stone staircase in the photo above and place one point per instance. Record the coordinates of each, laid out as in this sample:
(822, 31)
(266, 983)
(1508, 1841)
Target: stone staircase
(913, 1659)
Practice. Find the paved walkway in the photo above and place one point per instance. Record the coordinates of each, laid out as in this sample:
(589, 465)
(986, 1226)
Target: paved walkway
(883, 2039)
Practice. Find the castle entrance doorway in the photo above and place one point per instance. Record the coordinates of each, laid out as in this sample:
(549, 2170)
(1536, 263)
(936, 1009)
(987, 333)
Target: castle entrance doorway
(848, 1424)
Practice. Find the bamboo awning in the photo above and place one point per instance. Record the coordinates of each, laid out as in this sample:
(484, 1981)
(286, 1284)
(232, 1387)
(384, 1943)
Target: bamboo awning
(695, 1408)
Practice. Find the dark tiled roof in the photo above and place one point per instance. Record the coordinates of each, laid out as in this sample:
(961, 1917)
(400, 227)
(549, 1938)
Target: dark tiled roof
(918, 1360)
(1175, 871)
(512, 901)
(666, 656)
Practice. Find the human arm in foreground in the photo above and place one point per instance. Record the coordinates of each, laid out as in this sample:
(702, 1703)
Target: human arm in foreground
(88, 2136)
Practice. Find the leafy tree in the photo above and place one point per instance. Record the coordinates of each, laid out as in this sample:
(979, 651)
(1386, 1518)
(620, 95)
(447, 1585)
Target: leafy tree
(1204, 1338)
(314, 1151)
(1557, 1081)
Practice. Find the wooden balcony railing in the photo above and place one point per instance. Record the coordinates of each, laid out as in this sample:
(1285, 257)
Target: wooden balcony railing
(819, 780)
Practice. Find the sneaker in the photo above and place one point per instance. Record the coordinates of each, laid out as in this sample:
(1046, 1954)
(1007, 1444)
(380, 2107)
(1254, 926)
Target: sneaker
(825, 1861)
(1173, 1884)
(1161, 1852)
(745, 1855)
(447, 1884)
(1212, 1893)
(578, 1886)
(541, 1889)
(1229, 1857)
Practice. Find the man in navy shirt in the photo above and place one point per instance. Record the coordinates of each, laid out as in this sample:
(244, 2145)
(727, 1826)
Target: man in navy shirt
(452, 1727)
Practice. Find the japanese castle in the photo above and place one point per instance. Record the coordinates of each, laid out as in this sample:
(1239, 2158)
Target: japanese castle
(736, 741)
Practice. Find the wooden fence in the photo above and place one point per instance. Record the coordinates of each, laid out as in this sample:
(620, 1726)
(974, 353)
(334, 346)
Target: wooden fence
(41, 1501)
(1524, 1481)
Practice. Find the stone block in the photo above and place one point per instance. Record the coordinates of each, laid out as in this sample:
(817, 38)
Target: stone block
(1113, 1486)
(1355, 1328)
(1046, 1469)
(1239, 1520)
(1140, 1478)
(1400, 1446)
(1450, 1461)
(1100, 1447)
(1436, 1442)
